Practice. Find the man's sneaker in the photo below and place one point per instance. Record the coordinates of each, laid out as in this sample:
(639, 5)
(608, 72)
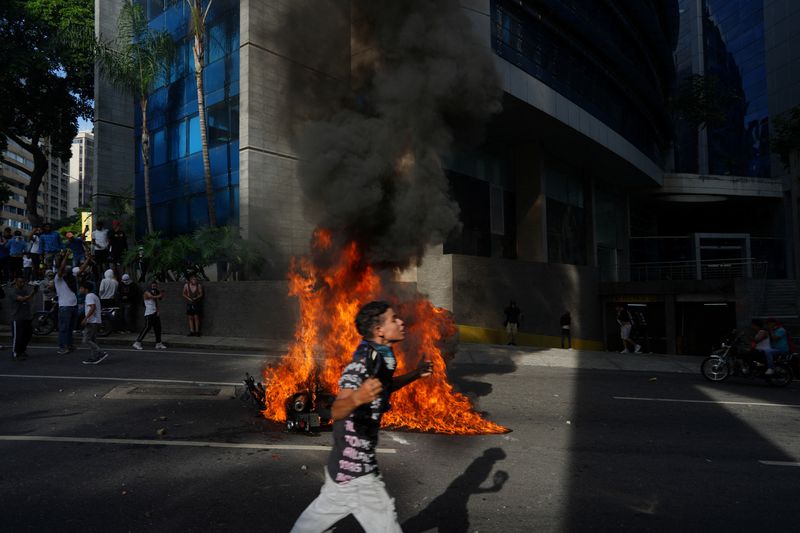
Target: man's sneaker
(161, 346)
(18, 356)
(96, 360)
(638, 349)
(769, 372)
(62, 351)
(625, 351)
(138, 345)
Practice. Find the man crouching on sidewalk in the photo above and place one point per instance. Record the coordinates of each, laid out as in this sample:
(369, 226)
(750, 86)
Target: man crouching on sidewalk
(353, 483)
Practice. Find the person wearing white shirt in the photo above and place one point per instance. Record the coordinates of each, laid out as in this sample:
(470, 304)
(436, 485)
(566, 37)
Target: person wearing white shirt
(65, 283)
(101, 245)
(91, 322)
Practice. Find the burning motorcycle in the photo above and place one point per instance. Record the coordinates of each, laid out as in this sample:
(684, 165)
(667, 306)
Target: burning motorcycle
(735, 358)
(305, 412)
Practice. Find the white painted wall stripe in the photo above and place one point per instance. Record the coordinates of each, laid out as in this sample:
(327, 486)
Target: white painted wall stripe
(130, 380)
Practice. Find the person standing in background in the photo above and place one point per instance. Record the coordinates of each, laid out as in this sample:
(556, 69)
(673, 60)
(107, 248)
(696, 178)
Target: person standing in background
(118, 241)
(35, 252)
(5, 243)
(152, 318)
(128, 293)
(27, 267)
(108, 289)
(625, 326)
(50, 245)
(566, 329)
(101, 245)
(21, 329)
(91, 323)
(16, 248)
(513, 316)
(193, 294)
(76, 246)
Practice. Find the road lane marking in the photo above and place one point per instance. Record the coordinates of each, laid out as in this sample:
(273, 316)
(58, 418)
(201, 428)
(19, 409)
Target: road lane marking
(160, 353)
(718, 402)
(131, 380)
(779, 463)
(191, 443)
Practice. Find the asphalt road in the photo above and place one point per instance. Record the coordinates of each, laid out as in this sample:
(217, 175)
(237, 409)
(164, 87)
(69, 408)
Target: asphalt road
(589, 450)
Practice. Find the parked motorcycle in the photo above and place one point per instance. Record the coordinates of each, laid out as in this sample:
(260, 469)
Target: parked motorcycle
(735, 358)
(45, 322)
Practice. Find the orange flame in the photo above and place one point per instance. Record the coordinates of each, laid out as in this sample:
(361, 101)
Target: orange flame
(329, 300)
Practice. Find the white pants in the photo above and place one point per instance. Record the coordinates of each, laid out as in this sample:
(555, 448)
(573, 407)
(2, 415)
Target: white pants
(364, 497)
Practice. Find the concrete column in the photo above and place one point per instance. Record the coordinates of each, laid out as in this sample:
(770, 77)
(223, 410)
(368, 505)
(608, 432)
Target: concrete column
(793, 233)
(114, 158)
(531, 204)
(591, 224)
(671, 328)
(435, 277)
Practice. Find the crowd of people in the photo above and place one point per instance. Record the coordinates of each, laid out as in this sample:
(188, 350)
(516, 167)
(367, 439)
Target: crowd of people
(81, 278)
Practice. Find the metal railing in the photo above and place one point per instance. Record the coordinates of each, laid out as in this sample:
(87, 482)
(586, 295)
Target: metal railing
(685, 270)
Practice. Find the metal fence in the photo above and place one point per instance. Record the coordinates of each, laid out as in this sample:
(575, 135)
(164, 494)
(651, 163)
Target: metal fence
(686, 270)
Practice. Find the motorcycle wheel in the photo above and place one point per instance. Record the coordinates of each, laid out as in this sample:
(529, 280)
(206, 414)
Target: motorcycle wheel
(781, 377)
(715, 369)
(43, 325)
(105, 329)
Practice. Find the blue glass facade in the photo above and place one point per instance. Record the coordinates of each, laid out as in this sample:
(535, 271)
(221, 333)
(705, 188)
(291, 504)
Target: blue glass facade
(613, 59)
(176, 165)
(733, 53)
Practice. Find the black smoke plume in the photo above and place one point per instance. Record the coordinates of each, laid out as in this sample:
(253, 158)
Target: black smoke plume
(420, 81)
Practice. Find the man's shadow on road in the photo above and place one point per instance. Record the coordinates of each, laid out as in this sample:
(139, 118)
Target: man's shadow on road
(448, 512)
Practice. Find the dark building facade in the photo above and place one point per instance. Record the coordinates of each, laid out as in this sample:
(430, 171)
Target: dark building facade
(587, 188)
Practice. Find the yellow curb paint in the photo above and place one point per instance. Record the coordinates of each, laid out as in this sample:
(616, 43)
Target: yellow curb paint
(481, 335)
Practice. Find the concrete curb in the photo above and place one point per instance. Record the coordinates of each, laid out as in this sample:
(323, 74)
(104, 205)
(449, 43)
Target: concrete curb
(468, 353)
(493, 355)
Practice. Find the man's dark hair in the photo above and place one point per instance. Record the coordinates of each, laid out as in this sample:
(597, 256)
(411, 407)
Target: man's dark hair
(757, 322)
(369, 316)
(86, 285)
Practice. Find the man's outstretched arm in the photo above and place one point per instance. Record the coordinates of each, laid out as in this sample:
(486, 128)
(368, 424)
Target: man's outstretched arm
(424, 369)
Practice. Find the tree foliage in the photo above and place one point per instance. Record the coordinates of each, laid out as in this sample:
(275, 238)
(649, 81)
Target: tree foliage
(46, 81)
(703, 101)
(785, 139)
(176, 258)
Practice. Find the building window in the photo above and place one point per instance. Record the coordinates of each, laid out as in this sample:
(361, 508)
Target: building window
(194, 135)
(159, 147)
(223, 122)
(177, 140)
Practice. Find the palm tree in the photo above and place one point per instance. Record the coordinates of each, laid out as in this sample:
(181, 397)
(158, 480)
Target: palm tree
(198, 31)
(135, 62)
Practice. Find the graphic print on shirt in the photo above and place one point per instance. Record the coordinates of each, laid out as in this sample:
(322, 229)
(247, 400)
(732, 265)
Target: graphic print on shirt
(356, 437)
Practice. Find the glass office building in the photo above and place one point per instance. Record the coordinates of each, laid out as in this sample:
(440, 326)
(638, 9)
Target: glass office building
(727, 47)
(177, 186)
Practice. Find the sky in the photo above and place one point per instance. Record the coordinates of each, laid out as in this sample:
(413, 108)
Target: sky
(84, 125)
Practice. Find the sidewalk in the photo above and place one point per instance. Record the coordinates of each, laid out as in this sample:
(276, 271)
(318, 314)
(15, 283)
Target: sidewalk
(468, 354)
